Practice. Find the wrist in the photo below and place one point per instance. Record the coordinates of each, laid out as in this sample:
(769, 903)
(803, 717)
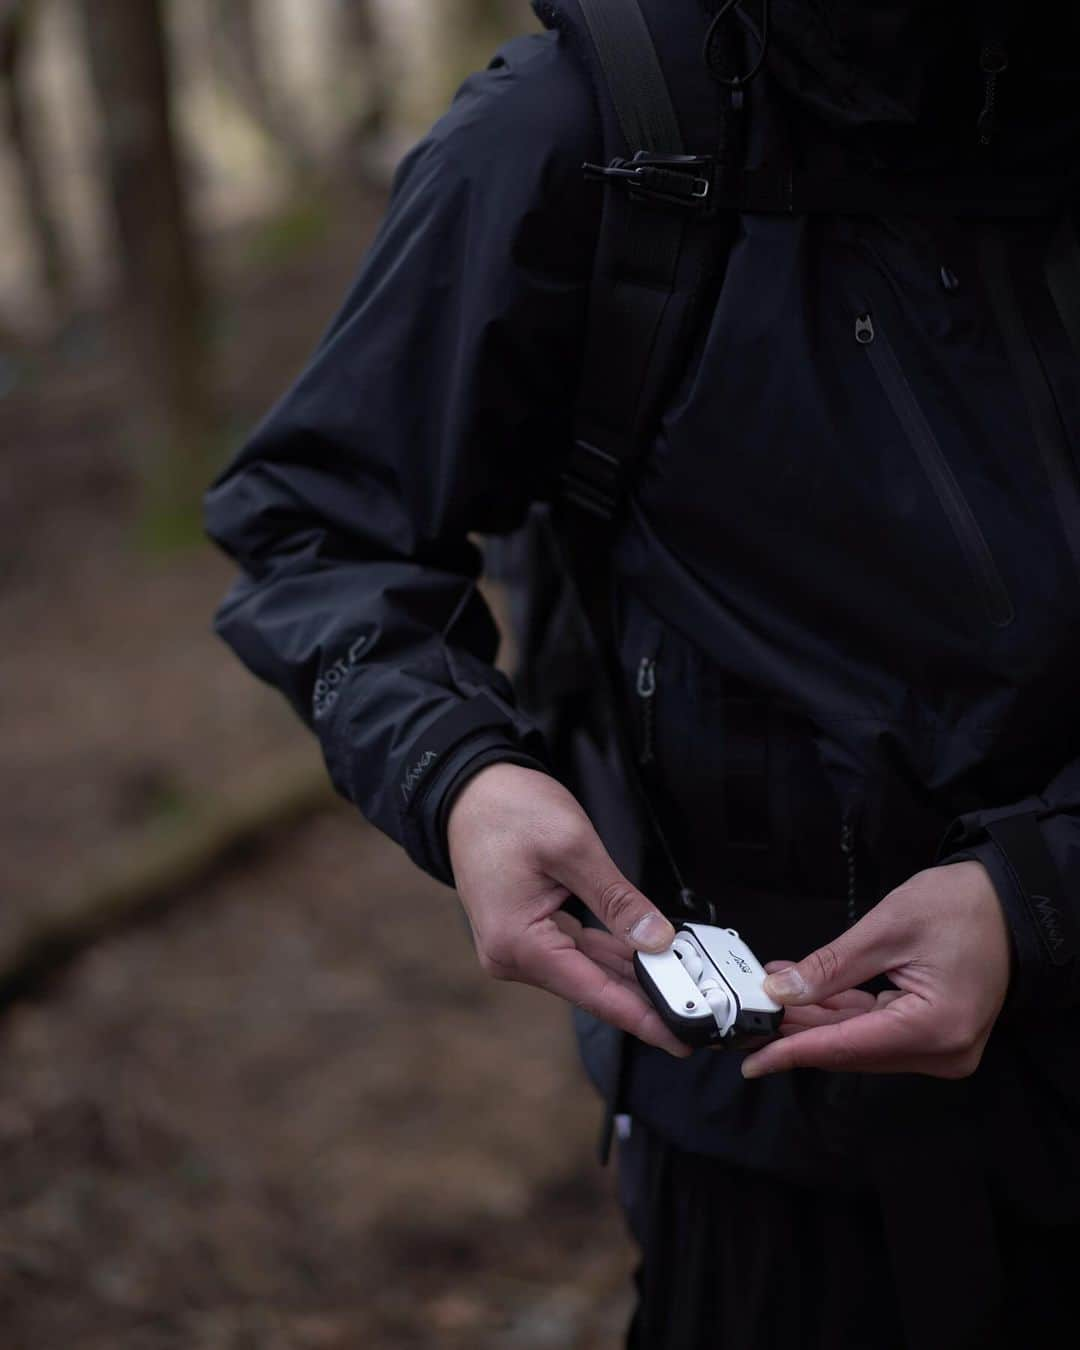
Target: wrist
(480, 790)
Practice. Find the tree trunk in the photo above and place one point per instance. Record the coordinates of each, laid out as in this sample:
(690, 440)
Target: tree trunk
(16, 19)
(163, 290)
(365, 58)
(238, 21)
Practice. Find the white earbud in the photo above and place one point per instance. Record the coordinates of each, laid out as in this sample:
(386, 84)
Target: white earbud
(687, 953)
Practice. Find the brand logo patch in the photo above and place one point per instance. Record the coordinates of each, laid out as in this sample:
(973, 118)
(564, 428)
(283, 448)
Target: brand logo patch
(409, 782)
(1049, 920)
(328, 686)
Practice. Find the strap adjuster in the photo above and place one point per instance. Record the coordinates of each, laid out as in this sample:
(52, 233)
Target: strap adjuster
(677, 180)
(592, 480)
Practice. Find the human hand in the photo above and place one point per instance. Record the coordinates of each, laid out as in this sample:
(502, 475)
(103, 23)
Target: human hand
(942, 940)
(520, 844)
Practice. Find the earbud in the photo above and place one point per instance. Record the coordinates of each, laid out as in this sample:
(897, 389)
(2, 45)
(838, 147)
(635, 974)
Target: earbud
(685, 950)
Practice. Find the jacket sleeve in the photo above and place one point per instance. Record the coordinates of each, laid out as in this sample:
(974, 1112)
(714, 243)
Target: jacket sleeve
(436, 407)
(1031, 850)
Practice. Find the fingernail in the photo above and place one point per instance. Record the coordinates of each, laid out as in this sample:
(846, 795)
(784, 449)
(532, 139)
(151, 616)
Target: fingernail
(785, 984)
(751, 1070)
(653, 932)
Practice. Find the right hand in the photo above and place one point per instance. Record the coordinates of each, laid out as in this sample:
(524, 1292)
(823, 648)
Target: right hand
(520, 844)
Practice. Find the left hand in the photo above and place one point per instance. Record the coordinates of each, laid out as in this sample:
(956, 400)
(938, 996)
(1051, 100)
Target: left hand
(942, 940)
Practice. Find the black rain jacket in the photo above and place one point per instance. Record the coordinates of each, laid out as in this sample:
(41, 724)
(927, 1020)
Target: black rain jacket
(858, 534)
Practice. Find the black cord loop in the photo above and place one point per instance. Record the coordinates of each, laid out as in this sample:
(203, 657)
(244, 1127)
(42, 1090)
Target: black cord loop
(737, 83)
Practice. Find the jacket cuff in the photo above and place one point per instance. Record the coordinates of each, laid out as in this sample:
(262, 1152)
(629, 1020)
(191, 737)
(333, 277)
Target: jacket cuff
(1028, 961)
(471, 758)
(457, 746)
(1012, 849)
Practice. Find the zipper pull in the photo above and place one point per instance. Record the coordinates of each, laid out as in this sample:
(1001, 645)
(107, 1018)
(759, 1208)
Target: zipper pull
(646, 678)
(949, 280)
(864, 329)
(994, 62)
(646, 692)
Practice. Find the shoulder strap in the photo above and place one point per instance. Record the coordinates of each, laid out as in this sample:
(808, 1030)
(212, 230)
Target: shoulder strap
(658, 255)
(634, 78)
(659, 238)
(658, 252)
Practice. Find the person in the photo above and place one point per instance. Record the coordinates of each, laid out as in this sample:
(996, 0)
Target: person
(848, 629)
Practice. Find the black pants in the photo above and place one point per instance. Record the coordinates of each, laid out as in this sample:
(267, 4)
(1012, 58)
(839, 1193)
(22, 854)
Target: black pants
(737, 1261)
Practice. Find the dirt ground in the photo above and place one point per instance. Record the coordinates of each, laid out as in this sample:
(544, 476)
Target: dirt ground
(293, 1115)
(290, 1113)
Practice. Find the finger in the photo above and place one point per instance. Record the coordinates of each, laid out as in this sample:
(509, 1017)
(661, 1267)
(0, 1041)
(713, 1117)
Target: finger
(850, 998)
(867, 949)
(570, 974)
(600, 946)
(857, 999)
(588, 872)
(599, 939)
(897, 1033)
(814, 1015)
(615, 965)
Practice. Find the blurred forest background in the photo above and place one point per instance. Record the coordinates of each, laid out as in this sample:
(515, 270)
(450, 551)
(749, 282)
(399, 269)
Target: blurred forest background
(254, 1091)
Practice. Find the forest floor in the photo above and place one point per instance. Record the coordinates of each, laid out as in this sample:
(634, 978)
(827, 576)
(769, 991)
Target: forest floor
(289, 1111)
(291, 1114)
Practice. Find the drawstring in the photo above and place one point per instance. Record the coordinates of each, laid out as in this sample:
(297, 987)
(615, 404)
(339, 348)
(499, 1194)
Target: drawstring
(713, 42)
(994, 61)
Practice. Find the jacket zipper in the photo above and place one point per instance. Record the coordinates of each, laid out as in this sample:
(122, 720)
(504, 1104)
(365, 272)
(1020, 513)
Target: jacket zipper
(871, 335)
(646, 704)
(1038, 392)
(847, 848)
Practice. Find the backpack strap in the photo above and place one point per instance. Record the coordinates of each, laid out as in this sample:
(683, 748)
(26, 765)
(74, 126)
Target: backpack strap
(635, 81)
(659, 235)
(658, 254)
(658, 257)
(642, 181)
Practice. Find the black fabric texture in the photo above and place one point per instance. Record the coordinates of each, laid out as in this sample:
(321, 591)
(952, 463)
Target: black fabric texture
(432, 410)
(732, 1260)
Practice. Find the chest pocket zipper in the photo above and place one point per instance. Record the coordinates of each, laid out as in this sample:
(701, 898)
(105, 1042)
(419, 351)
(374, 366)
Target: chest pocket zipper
(870, 335)
(645, 689)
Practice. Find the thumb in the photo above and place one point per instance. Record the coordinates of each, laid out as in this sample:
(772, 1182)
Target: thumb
(590, 874)
(854, 957)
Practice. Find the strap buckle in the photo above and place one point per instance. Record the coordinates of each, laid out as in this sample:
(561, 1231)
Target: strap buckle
(677, 180)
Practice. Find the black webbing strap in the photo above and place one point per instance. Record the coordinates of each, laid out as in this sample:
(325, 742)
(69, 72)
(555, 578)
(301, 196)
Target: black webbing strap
(634, 77)
(635, 315)
(1020, 839)
(657, 247)
(654, 254)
